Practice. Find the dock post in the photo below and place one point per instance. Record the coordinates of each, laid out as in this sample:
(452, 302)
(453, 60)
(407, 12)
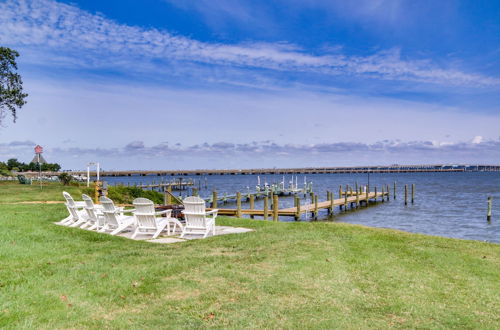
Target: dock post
(357, 199)
(238, 204)
(275, 207)
(367, 195)
(252, 204)
(297, 210)
(350, 195)
(406, 194)
(356, 187)
(345, 201)
(412, 192)
(315, 206)
(375, 199)
(394, 194)
(332, 200)
(340, 195)
(383, 195)
(388, 192)
(329, 198)
(214, 199)
(490, 202)
(169, 195)
(266, 207)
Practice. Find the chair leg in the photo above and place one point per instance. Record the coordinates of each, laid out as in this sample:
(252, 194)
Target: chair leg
(135, 233)
(120, 229)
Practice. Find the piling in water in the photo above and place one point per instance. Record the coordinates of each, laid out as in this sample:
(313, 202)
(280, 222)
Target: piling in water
(406, 194)
(266, 207)
(214, 199)
(297, 205)
(315, 206)
(394, 194)
(238, 204)
(490, 202)
(275, 208)
(345, 201)
(412, 193)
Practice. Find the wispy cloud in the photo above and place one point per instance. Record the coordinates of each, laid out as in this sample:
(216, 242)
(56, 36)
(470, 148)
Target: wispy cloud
(66, 30)
(390, 150)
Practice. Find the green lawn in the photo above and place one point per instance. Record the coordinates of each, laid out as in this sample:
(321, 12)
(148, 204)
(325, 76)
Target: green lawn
(283, 275)
(50, 191)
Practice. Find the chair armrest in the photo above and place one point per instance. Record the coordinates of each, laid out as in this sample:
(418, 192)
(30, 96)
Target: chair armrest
(167, 212)
(213, 213)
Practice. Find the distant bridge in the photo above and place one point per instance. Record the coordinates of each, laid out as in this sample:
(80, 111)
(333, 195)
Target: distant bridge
(304, 170)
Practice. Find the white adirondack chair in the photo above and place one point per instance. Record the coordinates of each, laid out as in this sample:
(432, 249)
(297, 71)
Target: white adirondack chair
(114, 220)
(93, 214)
(146, 220)
(76, 217)
(198, 220)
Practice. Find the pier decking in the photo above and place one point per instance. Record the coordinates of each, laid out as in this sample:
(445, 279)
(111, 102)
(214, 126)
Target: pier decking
(350, 200)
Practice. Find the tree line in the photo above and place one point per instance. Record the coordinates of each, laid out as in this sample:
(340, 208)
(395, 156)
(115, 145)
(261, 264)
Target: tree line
(14, 165)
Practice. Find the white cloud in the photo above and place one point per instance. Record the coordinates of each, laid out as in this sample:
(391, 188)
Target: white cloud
(83, 39)
(477, 139)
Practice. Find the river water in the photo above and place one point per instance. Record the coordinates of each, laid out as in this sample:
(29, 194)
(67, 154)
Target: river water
(446, 204)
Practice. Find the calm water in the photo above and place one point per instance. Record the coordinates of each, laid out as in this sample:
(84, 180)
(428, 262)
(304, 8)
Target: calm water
(446, 204)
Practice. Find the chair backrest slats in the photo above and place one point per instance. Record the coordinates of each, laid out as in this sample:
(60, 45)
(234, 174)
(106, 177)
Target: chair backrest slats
(89, 208)
(109, 211)
(145, 213)
(71, 206)
(195, 211)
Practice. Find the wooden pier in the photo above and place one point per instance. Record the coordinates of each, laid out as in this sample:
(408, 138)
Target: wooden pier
(349, 200)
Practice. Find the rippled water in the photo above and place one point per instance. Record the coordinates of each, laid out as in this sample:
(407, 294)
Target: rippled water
(446, 204)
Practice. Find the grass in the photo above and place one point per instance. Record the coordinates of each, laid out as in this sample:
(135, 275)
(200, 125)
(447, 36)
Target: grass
(282, 275)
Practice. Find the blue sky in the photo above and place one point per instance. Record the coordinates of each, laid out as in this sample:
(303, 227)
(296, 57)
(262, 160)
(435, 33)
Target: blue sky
(169, 84)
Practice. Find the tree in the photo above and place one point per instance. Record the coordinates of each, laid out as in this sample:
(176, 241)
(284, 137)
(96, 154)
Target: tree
(12, 97)
(65, 178)
(13, 163)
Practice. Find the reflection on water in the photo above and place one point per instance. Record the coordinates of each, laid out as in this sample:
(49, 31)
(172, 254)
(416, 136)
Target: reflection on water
(446, 204)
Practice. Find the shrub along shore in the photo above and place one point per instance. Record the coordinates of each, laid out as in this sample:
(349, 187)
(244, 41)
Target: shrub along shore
(282, 275)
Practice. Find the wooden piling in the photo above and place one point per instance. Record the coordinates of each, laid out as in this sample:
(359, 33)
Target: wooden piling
(330, 198)
(168, 195)
(297, 205)
(340, 195)
(375, 199)
(490, 204)
(214, 199)
(394, 193)
(412, 192)
(357, 199)
(315, 206)
(382, 194)
(266, 207)
(388, 191)
(275, 208)
(238, 204)
(406, 194)
(345, 201)
(367, 195)
(252, 202)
